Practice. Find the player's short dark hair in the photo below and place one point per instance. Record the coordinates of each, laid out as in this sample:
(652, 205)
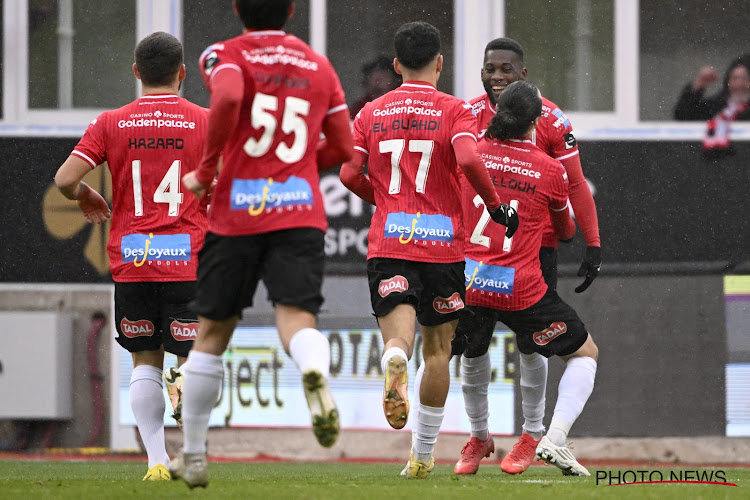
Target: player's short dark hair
(518, 106)
(505, 44)
(417, 44)
(158, 58)
(263, 14)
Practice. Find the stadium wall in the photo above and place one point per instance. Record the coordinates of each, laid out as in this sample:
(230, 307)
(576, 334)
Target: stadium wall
(672, 226)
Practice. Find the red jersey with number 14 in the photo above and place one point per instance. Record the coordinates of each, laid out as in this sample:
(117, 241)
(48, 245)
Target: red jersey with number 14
(269, 180)
(157, 226)
(408, 136)
(504, 273)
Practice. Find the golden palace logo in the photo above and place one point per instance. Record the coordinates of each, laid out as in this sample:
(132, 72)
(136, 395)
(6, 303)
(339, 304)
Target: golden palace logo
(64, 220)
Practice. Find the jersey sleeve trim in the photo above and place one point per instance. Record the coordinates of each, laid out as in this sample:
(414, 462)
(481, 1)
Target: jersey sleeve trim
(225, 66)
(340, 107)
(84, 157)
(561, 158)
(469, 134)
(560, 209)
(363, 150)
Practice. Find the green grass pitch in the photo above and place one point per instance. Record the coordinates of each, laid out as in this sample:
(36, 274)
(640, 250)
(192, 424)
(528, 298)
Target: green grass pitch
(33, 479)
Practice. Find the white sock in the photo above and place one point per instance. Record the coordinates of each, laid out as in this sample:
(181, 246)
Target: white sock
(414, 403)
(533, 393)
(575, 388)
(475, 381)
(147, 403)
(310, 350)
(429, 420)
(389, 353)
(200, 390)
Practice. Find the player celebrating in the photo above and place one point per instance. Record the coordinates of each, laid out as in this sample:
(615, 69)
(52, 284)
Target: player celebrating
(156, 231)
(505, 282)
(412, 140)
(503, 64)
(271, 96)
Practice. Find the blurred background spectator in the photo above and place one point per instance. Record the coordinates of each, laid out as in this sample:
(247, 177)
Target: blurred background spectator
(735, 93)
(378, 77)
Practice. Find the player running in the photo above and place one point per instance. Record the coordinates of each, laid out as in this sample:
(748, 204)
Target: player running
(271, 97)
(157, 227)
(504, 281)
(413, 139)
(503, 65)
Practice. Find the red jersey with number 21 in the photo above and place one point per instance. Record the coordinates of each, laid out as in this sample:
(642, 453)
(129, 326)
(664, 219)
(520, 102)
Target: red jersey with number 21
(158, 227)
(408, 135)
(504, 273)
(269, 180)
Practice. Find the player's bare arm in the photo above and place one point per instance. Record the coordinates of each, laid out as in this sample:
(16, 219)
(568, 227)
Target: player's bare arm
(353, 176)
(69, 181)
(338, 145)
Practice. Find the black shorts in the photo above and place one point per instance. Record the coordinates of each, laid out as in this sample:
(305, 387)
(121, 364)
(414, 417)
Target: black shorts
(548, 263)
(437, 291)
(550, 327)
(151, 314)
(290, 263)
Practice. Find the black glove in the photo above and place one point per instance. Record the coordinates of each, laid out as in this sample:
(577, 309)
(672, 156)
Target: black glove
(506, 216)
(590, 267)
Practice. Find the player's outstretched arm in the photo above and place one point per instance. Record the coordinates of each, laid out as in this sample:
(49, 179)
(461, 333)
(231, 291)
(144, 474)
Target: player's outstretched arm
(563, 224)
(584, 207)
(69, 181)
(227, 90)
(338, 145)
(465, 149)
(353, 176)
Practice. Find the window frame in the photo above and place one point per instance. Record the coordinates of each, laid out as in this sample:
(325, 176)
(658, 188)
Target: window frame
(21, 120)
(477, 21)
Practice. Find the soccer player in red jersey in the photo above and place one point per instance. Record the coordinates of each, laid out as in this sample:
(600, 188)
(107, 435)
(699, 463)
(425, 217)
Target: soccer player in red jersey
(157, 227)
(503, 65)
(504, 281)
(413, 139)
(271, 97)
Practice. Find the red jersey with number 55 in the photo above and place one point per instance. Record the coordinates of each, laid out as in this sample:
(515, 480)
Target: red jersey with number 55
(157, 226)
(269, 179)
(504, 273)
(408, 136)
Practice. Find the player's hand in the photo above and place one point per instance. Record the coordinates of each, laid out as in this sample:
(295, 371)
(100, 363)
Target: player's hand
(506, 216)
(592, 264)
(95, 208)
(191, 183)
(211, 190)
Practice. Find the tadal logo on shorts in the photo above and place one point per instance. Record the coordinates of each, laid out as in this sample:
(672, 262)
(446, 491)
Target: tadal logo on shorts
(549, 334)
(396, 284)
(133, 329)
(183, 331)
(448, 305)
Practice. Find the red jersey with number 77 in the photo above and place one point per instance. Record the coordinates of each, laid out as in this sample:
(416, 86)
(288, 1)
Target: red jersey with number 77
(158, 227)
(408, 136)
(504, 273)
(269, 179)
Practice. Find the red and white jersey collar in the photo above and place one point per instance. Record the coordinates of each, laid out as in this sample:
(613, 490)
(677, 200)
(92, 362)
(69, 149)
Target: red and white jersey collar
(265, 33)
(419, 85)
